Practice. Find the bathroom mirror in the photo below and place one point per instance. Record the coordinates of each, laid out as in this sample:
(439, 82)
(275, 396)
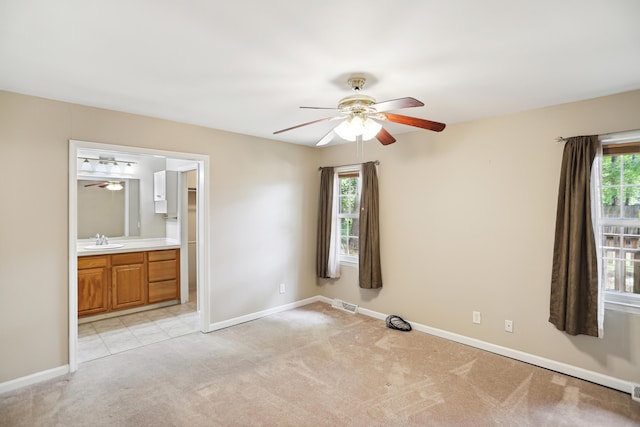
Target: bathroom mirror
(114, 213)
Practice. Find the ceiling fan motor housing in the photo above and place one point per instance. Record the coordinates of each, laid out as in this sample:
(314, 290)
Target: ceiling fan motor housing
(357, 103)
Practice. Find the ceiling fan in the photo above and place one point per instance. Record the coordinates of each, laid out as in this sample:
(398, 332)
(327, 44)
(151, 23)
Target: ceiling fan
(360, 116)
(109, 185)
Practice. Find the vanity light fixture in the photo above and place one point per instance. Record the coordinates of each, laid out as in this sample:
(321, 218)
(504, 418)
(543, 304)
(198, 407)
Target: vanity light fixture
(86, 165)
(104, 164)
(101, 166)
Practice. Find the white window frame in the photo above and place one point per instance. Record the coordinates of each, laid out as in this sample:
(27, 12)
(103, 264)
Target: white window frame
(346, 259)
(616, 300)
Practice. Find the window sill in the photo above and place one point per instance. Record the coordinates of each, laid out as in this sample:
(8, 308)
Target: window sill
(349, 263)
(616, 301)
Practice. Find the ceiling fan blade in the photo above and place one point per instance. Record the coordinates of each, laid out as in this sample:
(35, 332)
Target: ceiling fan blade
(414, 121)
(100, 184)
(327, 138)
(305, 124)
(385, 137)
(396, 104)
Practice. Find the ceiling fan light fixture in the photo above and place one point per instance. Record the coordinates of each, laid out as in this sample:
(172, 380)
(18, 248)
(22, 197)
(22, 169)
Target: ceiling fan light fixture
(371, 129)
(355, 126)
(114, 186)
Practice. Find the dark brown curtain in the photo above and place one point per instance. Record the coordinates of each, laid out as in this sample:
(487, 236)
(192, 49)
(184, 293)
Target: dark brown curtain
(324, 222)
(574, 279)
(369, 257)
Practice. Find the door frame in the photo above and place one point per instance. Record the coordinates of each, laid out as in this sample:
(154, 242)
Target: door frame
(203, 232)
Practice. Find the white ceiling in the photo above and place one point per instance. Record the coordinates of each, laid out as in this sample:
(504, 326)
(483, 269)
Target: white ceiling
(246, 66)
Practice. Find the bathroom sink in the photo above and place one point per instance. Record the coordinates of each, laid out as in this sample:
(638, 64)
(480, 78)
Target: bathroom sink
(101, 247)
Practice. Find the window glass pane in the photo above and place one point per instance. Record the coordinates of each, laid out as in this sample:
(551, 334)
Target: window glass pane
(610, 272)
(611, 202)
(610, 170)
(348, 204)
(353, 246)
(611, 241)
(345, 226)
(632, 273)
(355, 227)
(348, 185)
(349, 227)
(631, 207)
(631, 237)
(348, 211)
(631, 163)
(344, 246)
(621, 244)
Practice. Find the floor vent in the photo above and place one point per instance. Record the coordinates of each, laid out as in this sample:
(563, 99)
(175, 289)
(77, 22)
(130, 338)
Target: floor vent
(635, 392)
(350, 308)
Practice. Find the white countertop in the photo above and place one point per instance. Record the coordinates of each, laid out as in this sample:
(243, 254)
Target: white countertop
(128, 245)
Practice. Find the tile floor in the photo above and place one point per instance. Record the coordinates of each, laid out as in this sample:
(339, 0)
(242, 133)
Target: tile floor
(104, 337)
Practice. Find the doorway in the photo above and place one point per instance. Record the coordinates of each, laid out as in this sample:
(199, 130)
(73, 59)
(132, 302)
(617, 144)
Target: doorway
(197, 163)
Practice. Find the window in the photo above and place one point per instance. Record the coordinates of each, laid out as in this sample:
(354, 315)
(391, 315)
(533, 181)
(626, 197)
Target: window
(348, 213)
(621, 224)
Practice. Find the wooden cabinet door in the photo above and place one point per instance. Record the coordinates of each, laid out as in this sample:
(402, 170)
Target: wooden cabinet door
(128, 286)
(93, 288)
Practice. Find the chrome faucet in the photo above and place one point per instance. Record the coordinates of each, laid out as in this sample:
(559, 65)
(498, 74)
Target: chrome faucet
(101, 240)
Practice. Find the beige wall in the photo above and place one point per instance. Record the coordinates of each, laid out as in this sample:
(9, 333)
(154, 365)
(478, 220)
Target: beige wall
(467, 222)
(262, 219)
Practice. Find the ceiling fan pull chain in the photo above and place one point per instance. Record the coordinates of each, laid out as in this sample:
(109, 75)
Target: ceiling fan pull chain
(359, 149)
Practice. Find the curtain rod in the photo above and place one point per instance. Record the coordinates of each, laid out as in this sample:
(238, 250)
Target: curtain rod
(612, 137)
(377, 162)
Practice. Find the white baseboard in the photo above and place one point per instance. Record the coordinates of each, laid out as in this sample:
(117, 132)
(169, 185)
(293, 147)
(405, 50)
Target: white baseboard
(33, 378)
(532, 359)
(253, 316)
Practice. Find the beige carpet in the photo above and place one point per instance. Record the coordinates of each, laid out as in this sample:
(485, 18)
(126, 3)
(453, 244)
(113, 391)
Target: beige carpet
(314, 366)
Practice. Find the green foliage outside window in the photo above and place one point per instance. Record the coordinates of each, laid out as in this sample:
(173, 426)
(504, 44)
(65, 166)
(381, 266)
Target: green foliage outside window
(621, 186)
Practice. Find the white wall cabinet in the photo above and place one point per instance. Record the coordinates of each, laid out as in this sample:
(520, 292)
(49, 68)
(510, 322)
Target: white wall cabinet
(159, 186)
(165, 192)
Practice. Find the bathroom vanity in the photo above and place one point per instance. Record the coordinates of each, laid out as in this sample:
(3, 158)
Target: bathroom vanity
(131, 274)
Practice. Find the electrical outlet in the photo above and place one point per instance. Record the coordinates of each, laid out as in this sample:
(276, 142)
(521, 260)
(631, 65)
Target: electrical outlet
(508, 325)
(476, 317)
(282, 288)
